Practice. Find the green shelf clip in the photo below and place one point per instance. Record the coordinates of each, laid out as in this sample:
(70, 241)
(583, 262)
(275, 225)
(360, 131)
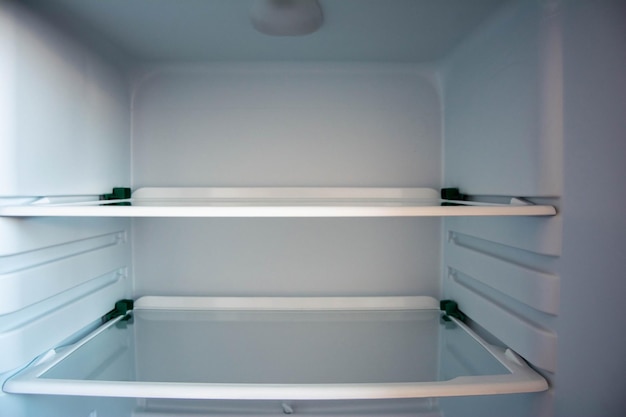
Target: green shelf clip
(118, 193)
(122, 307)
(452, 194)
(451, 309)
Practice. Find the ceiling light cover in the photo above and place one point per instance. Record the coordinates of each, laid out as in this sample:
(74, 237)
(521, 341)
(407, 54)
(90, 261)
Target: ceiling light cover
(286, 17)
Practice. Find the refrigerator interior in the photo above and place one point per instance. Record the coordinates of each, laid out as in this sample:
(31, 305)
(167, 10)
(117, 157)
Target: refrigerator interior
(493, 97)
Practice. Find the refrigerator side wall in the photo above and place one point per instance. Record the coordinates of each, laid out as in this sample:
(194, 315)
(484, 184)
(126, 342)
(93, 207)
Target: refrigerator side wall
(592, 336)
(579, 87)
(503, 110)
(64, 131)
(503, 137)
(65, 117)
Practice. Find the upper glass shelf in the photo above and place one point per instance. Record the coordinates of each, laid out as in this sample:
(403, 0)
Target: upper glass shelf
(280, 349)
(271, 202)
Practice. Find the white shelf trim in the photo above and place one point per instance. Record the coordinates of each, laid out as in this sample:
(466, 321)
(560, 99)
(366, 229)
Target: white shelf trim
(271, 202)
(286, 303)
(461, 386)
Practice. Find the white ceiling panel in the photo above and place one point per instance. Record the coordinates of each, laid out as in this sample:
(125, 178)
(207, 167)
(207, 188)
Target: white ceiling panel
(220, 30)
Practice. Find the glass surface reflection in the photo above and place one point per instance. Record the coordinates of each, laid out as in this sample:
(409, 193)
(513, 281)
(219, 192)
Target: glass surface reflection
(279, 347)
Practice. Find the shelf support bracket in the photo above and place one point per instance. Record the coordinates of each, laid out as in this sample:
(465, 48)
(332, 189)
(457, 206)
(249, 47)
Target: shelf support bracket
(452, 194)
(122, 307)
(451, 309)
(118, 193)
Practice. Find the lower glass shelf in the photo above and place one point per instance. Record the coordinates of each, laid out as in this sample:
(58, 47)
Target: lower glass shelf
(280, 349)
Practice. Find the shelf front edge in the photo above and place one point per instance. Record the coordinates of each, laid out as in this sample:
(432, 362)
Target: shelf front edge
(462, 386)
(274, 211)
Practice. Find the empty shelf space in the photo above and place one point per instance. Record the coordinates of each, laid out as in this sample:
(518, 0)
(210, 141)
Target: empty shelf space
(279, 349)
(272, 202)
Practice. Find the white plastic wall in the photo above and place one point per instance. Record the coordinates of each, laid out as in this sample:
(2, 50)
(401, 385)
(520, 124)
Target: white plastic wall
(64, 112)
(572, 54)
(315, 124)
(591, 362)
(533, 105)
(503, 100)
(287, 125)
(503, 105)
(64, 129)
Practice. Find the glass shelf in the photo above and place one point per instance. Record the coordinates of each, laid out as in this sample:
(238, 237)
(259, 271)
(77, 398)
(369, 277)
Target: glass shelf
(272, 202)
(280, 349)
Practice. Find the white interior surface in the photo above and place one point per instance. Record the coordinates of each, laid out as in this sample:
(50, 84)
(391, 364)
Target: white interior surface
(64, 129)
(220, 30)
(65, 115)
(288, 257)
(503, 93)
(594, 49)
(522, 101)
(287, 125)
